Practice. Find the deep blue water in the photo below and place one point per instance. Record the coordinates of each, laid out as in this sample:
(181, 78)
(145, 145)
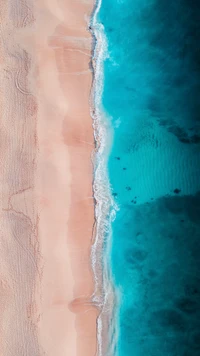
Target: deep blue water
(152, 95)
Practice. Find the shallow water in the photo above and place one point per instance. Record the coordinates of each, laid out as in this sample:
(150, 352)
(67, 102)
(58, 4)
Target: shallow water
(151, 95)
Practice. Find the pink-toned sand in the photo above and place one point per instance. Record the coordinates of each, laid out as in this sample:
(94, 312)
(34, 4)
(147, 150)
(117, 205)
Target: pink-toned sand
(47, 211)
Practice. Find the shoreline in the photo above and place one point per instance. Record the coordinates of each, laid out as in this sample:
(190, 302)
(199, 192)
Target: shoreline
(104, 202)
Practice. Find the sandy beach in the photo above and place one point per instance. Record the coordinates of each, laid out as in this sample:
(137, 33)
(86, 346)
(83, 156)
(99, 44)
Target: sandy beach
(46, 180)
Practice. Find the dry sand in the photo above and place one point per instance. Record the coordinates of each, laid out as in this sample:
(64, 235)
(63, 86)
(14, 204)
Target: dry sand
(47, 213)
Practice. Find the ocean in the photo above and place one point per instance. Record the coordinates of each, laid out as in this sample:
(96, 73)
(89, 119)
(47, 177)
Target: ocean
(149, 98)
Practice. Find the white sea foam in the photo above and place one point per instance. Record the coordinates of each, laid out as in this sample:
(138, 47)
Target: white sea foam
(105, 206)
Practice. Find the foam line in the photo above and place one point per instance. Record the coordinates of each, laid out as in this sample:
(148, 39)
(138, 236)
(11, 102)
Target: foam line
(105, 206)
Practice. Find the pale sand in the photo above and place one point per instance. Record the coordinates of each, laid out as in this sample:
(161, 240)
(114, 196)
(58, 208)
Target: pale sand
(46, 184)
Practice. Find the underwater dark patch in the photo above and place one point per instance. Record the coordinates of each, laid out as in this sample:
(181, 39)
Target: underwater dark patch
(135, 257)
(192, 287)
(168, 319)
(188, 205)
(187, 305)
(194, 340)
(182, 134)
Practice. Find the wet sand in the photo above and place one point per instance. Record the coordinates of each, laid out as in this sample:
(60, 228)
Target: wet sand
(46, 181)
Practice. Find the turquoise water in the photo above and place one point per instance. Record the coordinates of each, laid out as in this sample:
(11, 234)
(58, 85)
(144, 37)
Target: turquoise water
(151, 95)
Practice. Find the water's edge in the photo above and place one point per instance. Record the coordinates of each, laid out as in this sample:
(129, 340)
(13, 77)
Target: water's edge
(105, 207)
